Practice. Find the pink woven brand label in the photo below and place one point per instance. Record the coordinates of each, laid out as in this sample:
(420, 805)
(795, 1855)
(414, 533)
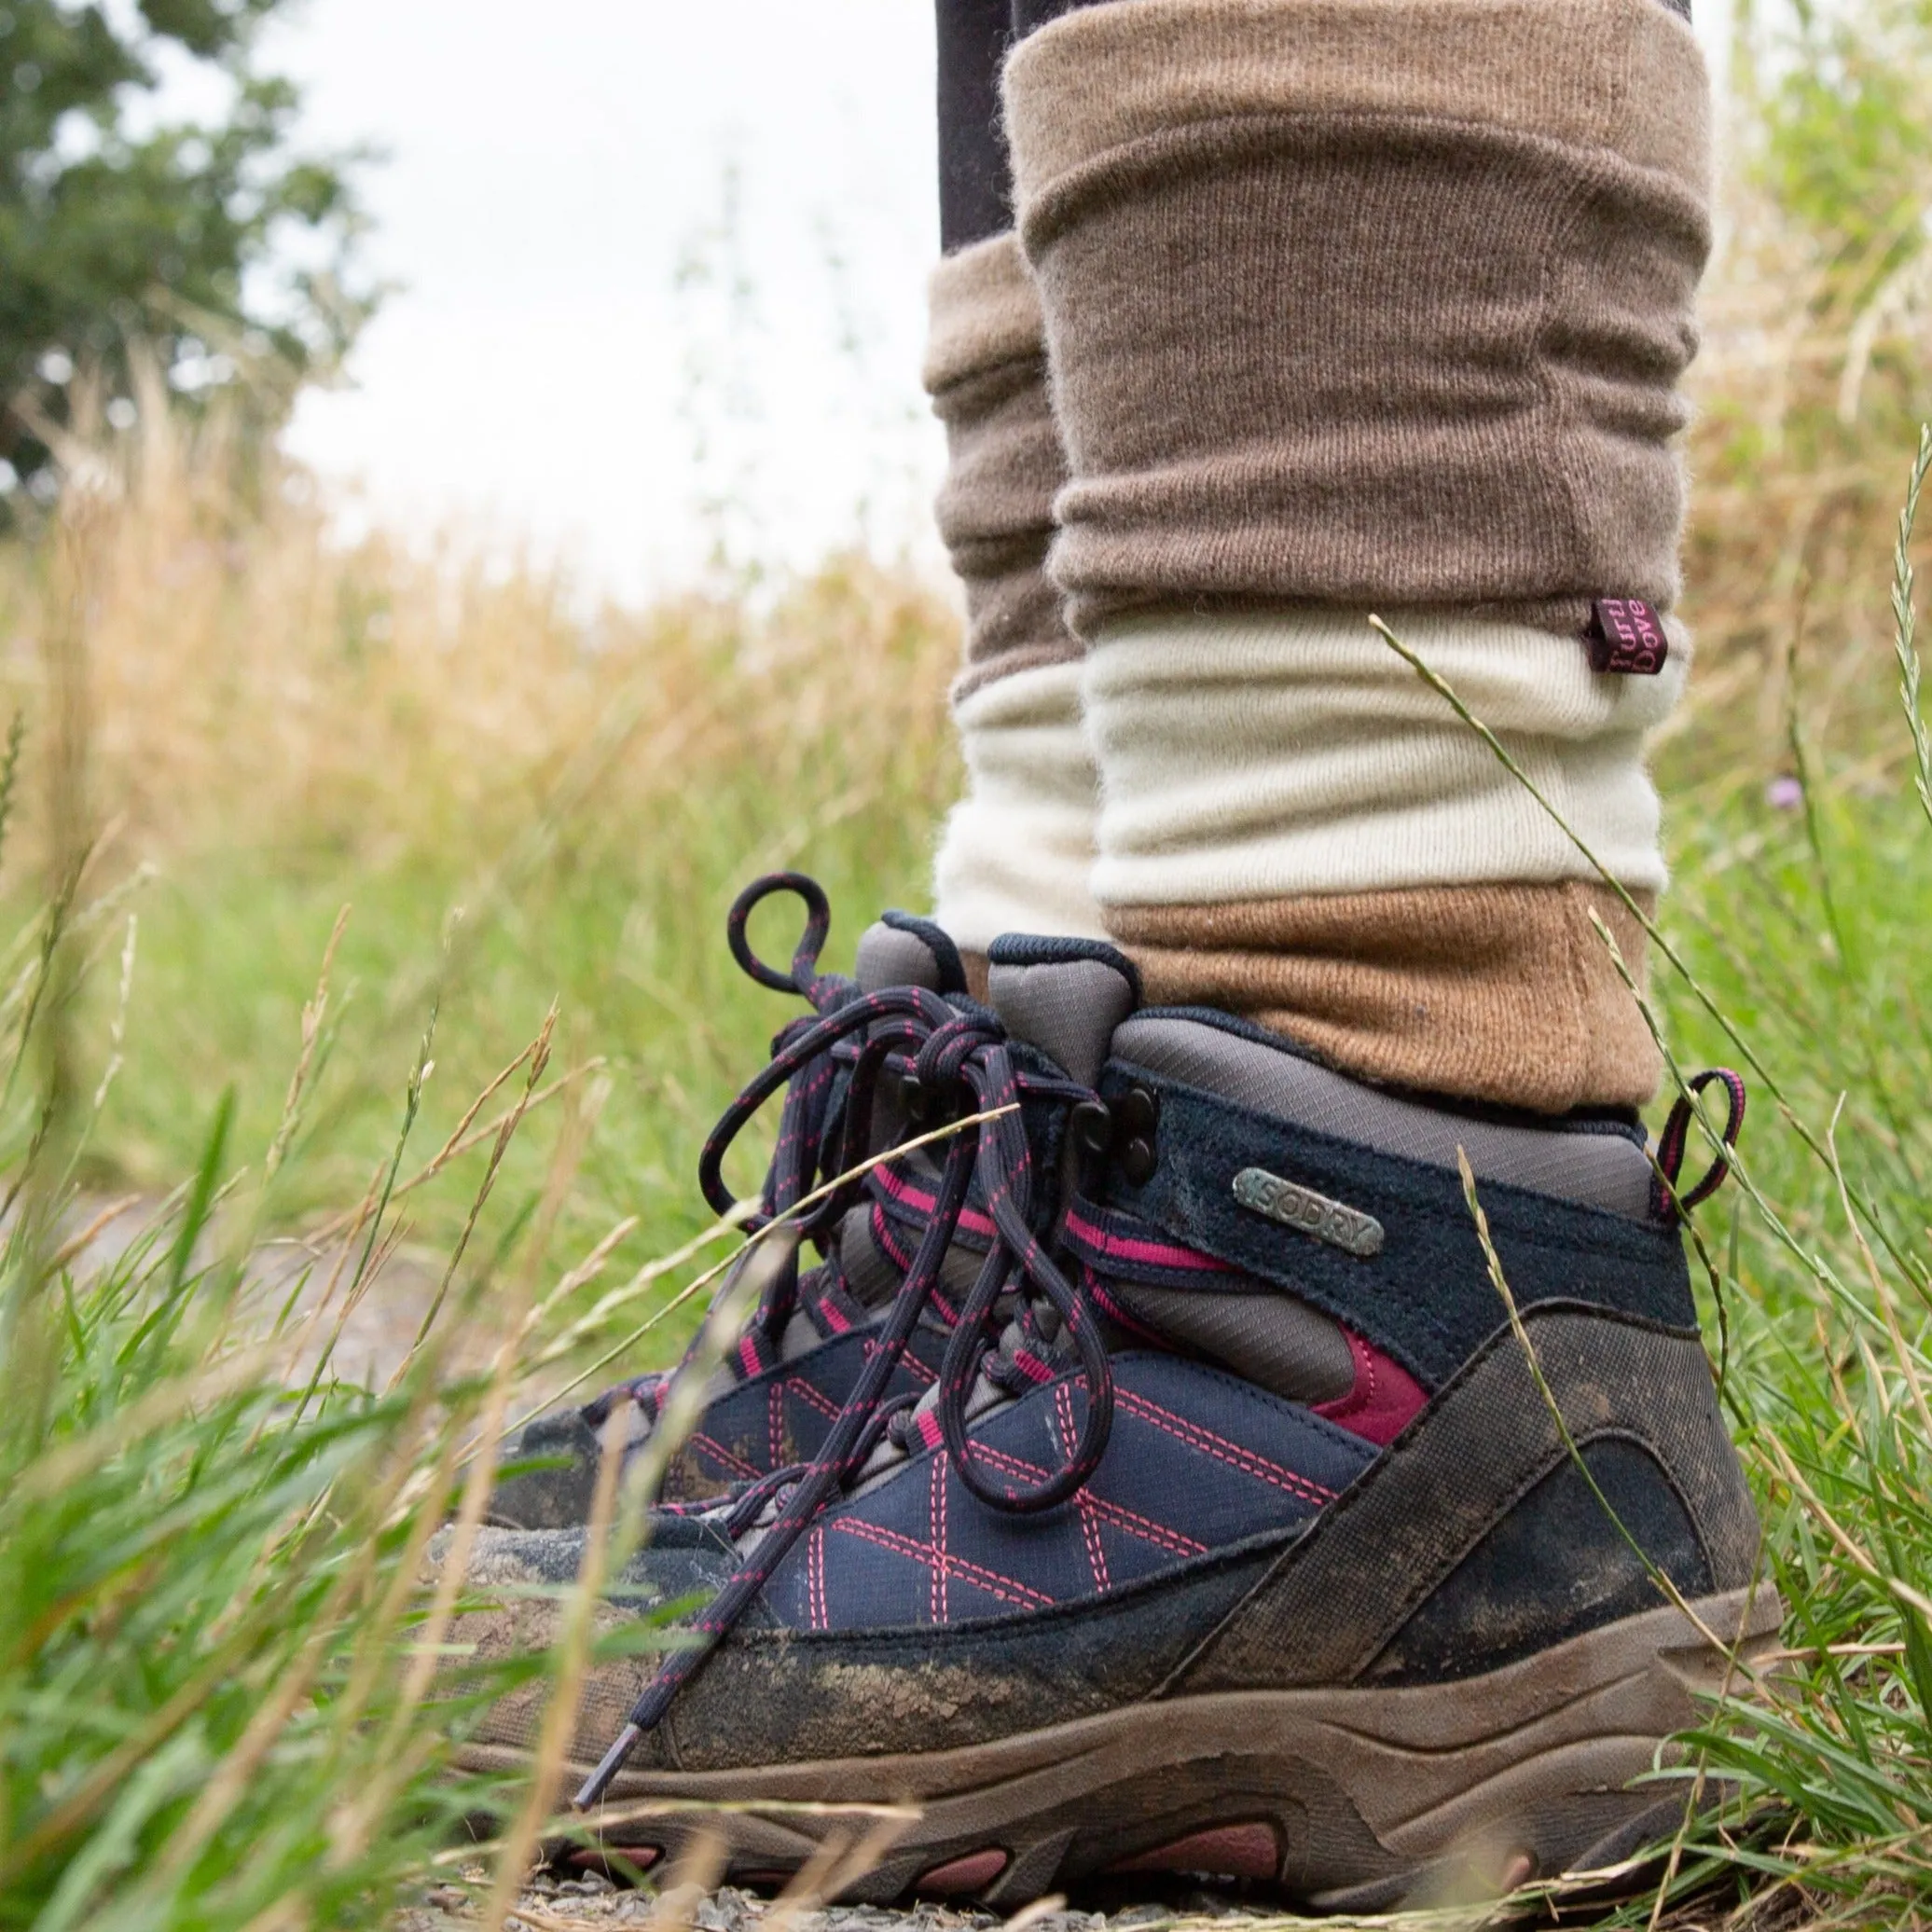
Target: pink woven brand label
(1627, 635)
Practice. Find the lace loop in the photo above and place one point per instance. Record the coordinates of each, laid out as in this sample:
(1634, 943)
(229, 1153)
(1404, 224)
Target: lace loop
(1018, 1258)
(1669, 1201)
(803, 974)
(829, 1083)
(802, 1126)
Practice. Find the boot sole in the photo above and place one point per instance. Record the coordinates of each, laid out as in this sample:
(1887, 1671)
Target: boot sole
(1347, 1799)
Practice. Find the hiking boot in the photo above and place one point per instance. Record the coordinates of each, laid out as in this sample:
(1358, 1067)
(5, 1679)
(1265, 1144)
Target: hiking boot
(1249, 1545)
(774, 1402)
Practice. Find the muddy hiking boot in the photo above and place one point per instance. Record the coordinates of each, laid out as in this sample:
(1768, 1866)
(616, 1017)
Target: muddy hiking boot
(774, 1402)
(1236, 1535)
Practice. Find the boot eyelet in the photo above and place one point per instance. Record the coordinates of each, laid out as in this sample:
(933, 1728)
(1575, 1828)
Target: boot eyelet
(912, 1097)
(1093, 1125)
(1137, 1162)
(1138, 1112)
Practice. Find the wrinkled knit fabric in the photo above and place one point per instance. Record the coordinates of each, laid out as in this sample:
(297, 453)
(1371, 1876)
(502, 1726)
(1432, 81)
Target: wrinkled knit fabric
(1499, 993)
(1019, 847)
(1363, 305)
(986, 372)
(1374, 303)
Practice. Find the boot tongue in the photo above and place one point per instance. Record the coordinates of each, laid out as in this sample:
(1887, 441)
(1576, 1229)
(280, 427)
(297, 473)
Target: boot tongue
(897, 950)
(900, 950)
(1064, 996)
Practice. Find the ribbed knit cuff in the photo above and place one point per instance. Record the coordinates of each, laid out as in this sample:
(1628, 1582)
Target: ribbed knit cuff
(986, 368)
(1017, 850)
(1261, 755)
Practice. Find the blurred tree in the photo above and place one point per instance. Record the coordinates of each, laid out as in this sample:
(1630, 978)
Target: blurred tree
(210, 242)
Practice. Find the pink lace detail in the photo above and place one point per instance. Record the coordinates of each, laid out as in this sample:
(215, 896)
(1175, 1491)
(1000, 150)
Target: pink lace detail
(812, 1399)
(723, 1456)
(815, 1578)
(1089, 1525)
(1111, 1514)
(1160, 1254)
(909, 1193)
(940, 1604)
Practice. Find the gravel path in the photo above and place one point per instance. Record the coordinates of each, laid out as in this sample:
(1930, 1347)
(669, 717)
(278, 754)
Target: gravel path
(593, 1904)
(378, 1328)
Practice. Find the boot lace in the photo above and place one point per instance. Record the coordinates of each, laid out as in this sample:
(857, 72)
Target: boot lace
(820, 1137)
(958, 1064)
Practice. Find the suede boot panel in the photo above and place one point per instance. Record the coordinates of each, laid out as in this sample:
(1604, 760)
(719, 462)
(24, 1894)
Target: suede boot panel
(1401, 1534)
(1369, 302)
(1497, 993)
(1557, 1545)
(777, 1697)
(1424, 1298)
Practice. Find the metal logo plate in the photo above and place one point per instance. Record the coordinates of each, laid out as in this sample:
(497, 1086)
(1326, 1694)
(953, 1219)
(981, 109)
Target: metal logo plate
(1309, 1213)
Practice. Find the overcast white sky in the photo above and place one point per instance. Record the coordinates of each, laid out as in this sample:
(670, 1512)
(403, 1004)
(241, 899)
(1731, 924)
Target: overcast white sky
(540, 372)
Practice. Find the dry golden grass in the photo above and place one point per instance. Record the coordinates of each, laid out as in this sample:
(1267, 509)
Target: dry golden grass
(283, 721)
(1809, 392)
(255, 683)
(279, 723)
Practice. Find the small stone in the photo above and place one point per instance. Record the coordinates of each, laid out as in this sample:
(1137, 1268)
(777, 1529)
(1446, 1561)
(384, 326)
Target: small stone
(1204, 1904)
(723, 1911)
(446, 1898)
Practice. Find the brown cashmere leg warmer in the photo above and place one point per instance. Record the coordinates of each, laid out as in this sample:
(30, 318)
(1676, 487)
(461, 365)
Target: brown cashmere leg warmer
(1502, 993)
(1378, 303)
(1018, 848)
(1353, 306)
(986, 372)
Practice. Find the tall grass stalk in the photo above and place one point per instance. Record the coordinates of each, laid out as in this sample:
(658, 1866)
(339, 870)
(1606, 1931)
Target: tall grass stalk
(1820, 1270)
(224, 1692)
(222, 1699)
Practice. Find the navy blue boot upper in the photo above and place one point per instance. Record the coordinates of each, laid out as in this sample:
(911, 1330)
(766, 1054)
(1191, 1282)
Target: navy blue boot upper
(1232, 1348)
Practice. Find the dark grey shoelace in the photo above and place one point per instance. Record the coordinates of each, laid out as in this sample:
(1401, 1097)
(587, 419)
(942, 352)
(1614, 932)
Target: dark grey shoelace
(955, 1061)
